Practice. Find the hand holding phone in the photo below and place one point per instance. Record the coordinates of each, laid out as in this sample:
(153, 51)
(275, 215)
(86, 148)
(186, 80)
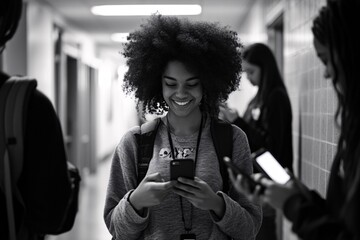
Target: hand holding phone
(237, 171)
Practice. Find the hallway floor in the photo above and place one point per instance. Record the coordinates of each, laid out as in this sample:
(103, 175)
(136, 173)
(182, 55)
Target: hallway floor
(89, 223)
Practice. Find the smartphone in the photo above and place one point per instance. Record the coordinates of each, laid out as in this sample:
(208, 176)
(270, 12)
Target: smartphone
(266, 163)
(182, 168)
(236, 170)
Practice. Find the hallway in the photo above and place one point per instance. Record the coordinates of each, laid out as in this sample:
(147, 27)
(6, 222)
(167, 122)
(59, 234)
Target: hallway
(79, 66)
(89, 223)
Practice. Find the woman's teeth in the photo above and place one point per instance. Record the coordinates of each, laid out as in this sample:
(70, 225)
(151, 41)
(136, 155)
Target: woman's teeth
(181, 103)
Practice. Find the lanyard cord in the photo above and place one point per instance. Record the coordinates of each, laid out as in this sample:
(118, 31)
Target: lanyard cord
(187, 229)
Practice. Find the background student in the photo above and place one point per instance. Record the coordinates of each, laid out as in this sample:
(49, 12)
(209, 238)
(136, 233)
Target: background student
(267, 120)
(44, 183)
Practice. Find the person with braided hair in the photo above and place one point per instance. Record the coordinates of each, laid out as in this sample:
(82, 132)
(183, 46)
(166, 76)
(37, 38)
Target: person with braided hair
(336, 41)
(184, 69)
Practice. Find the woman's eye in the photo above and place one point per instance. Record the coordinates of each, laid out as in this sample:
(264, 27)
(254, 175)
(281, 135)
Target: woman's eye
(193, 84)
(170, 84)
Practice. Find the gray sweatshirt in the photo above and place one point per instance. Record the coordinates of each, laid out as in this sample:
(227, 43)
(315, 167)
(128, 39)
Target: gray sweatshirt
(242, 218)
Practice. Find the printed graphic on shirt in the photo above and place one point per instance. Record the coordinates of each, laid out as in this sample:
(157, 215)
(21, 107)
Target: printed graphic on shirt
(180, 153)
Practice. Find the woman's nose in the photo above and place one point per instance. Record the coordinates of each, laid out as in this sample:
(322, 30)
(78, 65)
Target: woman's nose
(181, 92)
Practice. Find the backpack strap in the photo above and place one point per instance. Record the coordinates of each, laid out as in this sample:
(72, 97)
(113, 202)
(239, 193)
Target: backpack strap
(14, 99)
(222, 136)
(145, 140)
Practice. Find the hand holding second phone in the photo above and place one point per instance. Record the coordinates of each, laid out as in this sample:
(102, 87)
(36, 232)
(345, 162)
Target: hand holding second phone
(276, 194)
(150, 192)
(241, 185)
(273, 193)
(200, 194)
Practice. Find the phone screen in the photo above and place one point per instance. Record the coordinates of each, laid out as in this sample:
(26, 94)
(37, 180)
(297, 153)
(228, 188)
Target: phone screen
(272, 168)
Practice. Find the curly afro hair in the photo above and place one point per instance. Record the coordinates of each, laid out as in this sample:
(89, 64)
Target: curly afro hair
(213, 50)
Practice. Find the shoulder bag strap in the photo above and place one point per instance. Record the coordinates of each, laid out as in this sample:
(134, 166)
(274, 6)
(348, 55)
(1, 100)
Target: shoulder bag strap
(222, 137)
(146, 140)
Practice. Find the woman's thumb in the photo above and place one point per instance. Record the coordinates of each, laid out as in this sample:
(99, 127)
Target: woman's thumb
(154, 177)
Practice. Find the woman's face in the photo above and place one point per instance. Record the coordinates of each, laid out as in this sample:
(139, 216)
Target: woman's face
(253, 72)
(181, 88)
(323, 54)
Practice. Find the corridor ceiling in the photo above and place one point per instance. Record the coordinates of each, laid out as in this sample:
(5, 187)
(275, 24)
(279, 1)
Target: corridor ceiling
(78, 14)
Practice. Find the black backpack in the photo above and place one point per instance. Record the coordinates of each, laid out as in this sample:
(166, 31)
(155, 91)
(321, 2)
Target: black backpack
(221, 133)
(14, 98)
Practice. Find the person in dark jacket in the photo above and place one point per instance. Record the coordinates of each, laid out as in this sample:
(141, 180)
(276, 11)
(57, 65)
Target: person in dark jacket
(44, 183)
(267, 120)
(336, 42)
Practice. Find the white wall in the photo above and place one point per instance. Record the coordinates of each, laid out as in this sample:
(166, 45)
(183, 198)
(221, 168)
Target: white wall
(112, 98)
(40, 56)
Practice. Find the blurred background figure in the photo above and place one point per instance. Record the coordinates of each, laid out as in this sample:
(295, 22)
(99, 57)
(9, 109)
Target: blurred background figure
(41, 189)
(267, 120)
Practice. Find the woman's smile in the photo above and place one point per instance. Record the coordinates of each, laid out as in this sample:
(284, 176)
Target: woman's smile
(181, 103)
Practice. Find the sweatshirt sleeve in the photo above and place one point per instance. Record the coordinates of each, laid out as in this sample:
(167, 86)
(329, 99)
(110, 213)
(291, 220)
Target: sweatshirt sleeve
(121, 219)
(311, 218)
(242, 218)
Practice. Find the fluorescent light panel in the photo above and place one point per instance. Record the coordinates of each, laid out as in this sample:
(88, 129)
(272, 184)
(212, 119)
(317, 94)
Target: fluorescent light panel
(146, 10)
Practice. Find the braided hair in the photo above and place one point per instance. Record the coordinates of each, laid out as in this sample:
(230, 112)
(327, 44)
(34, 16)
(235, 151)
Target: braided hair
(211, 49)
(10, 13)
(336, 27)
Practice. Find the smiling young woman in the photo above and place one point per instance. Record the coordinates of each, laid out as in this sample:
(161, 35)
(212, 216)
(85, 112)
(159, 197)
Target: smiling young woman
(183, 69)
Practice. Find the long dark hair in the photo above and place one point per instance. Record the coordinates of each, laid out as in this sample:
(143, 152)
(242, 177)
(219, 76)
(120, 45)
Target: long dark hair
(10, 13)
(336, 28)
(261, 55)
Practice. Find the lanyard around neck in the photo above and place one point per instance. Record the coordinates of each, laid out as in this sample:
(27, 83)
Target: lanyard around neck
(197, 142)
(187, 229)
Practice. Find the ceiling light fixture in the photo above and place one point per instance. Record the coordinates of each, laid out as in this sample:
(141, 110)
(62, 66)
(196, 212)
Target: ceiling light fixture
(119, 37)
(146, 10)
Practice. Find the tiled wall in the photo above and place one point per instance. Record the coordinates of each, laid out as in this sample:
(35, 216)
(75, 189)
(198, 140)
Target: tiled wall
(312, 96)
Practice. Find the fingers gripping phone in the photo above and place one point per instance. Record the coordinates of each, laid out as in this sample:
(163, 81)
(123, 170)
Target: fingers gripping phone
(266, 163)
(236, 170)
(182, 168)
